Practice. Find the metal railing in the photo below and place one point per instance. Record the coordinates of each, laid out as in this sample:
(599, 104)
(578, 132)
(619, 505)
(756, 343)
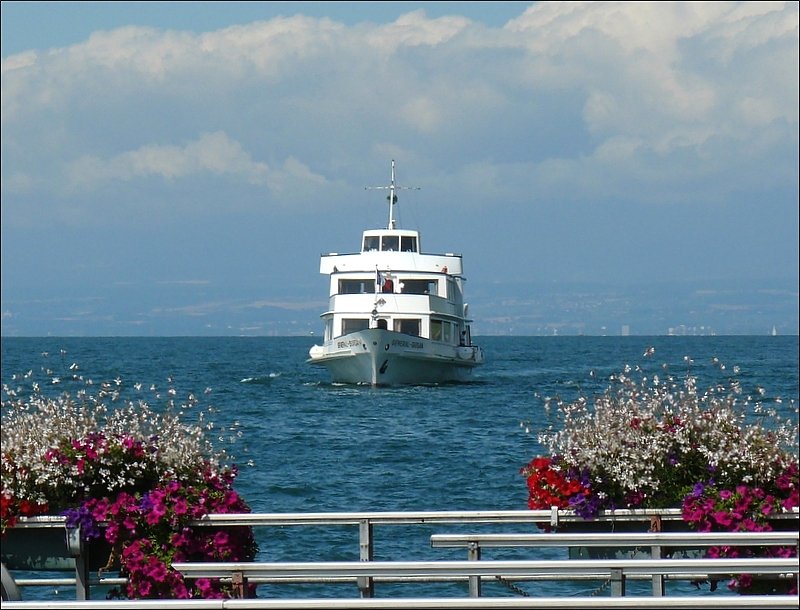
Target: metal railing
(367, 521)
(615, 570)
(776, 602)
(655, 542)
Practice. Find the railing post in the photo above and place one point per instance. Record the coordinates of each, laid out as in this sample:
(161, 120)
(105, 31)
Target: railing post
(474, 554)
(76, 549)
(658, 579)
(10, 591)
(366, 552)
(617, 582)
(239, 585)
(655, 553)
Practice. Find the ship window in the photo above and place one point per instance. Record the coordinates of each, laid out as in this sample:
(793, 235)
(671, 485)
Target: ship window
(448, 337)
(421, 286)
(351, 325)
(361, 286)
(390, 242)
(409, 327)
(408, 243)
(371, 242)
(436, 330)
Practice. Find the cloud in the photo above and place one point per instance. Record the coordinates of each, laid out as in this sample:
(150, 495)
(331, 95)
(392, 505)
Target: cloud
(667, 71)
(415, 29)
(273, 103)
(214, 153)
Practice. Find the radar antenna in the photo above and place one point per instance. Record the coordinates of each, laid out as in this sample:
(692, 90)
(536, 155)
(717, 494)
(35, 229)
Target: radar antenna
(392, 197)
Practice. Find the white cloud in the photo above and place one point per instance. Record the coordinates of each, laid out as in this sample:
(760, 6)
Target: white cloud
(290, 104)
(653, 69)
(422, 113)
(415, 29)
(215, 153)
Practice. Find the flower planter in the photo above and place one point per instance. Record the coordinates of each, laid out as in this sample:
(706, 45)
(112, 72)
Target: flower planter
(46, 548)
(628, 526)
(668, 522)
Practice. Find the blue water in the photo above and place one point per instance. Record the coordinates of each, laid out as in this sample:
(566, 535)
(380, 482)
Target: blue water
(317, 447)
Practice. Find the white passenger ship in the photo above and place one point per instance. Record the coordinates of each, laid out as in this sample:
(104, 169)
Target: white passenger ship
(395, 315)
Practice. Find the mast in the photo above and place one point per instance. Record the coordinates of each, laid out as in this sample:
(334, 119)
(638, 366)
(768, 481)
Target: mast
(392, 197)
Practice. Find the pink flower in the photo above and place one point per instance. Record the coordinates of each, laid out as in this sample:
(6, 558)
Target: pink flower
(180, 507)
(143, 588)
(179, 590)
(221, 539)
(793, 501)
(745, 581)
(723, 518)
(112, 532)
(100, 508)
(204, 586)
(157, 571)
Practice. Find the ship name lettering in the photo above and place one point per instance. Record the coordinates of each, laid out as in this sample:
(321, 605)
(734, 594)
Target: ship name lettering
(411, 344)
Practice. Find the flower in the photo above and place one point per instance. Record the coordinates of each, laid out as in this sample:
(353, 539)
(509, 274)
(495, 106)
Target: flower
(744, 509)
(131, 474)
(648, 442)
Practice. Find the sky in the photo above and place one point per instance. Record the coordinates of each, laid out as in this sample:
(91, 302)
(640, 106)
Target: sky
(178, 167)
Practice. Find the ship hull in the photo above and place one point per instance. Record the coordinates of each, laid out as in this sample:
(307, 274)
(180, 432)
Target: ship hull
(380, 357)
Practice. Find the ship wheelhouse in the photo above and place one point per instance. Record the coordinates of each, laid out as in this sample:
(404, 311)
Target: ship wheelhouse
(391, 285)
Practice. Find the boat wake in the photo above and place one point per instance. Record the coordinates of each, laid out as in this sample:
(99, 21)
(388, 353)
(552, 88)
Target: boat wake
(262, 380)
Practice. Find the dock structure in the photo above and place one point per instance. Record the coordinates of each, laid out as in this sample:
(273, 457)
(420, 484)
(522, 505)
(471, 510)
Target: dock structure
(643, 545)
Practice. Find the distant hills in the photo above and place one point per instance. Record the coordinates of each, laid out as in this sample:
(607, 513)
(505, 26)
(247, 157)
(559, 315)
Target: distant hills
(501, 308)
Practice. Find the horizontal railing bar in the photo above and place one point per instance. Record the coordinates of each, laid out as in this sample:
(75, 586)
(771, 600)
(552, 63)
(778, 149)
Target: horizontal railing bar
(44, 582)
(406, 517)
(622, 538)
(783, 602)
(310, 579)
(66, 582)
(412, 517)
(42, 521)
(770, 565)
